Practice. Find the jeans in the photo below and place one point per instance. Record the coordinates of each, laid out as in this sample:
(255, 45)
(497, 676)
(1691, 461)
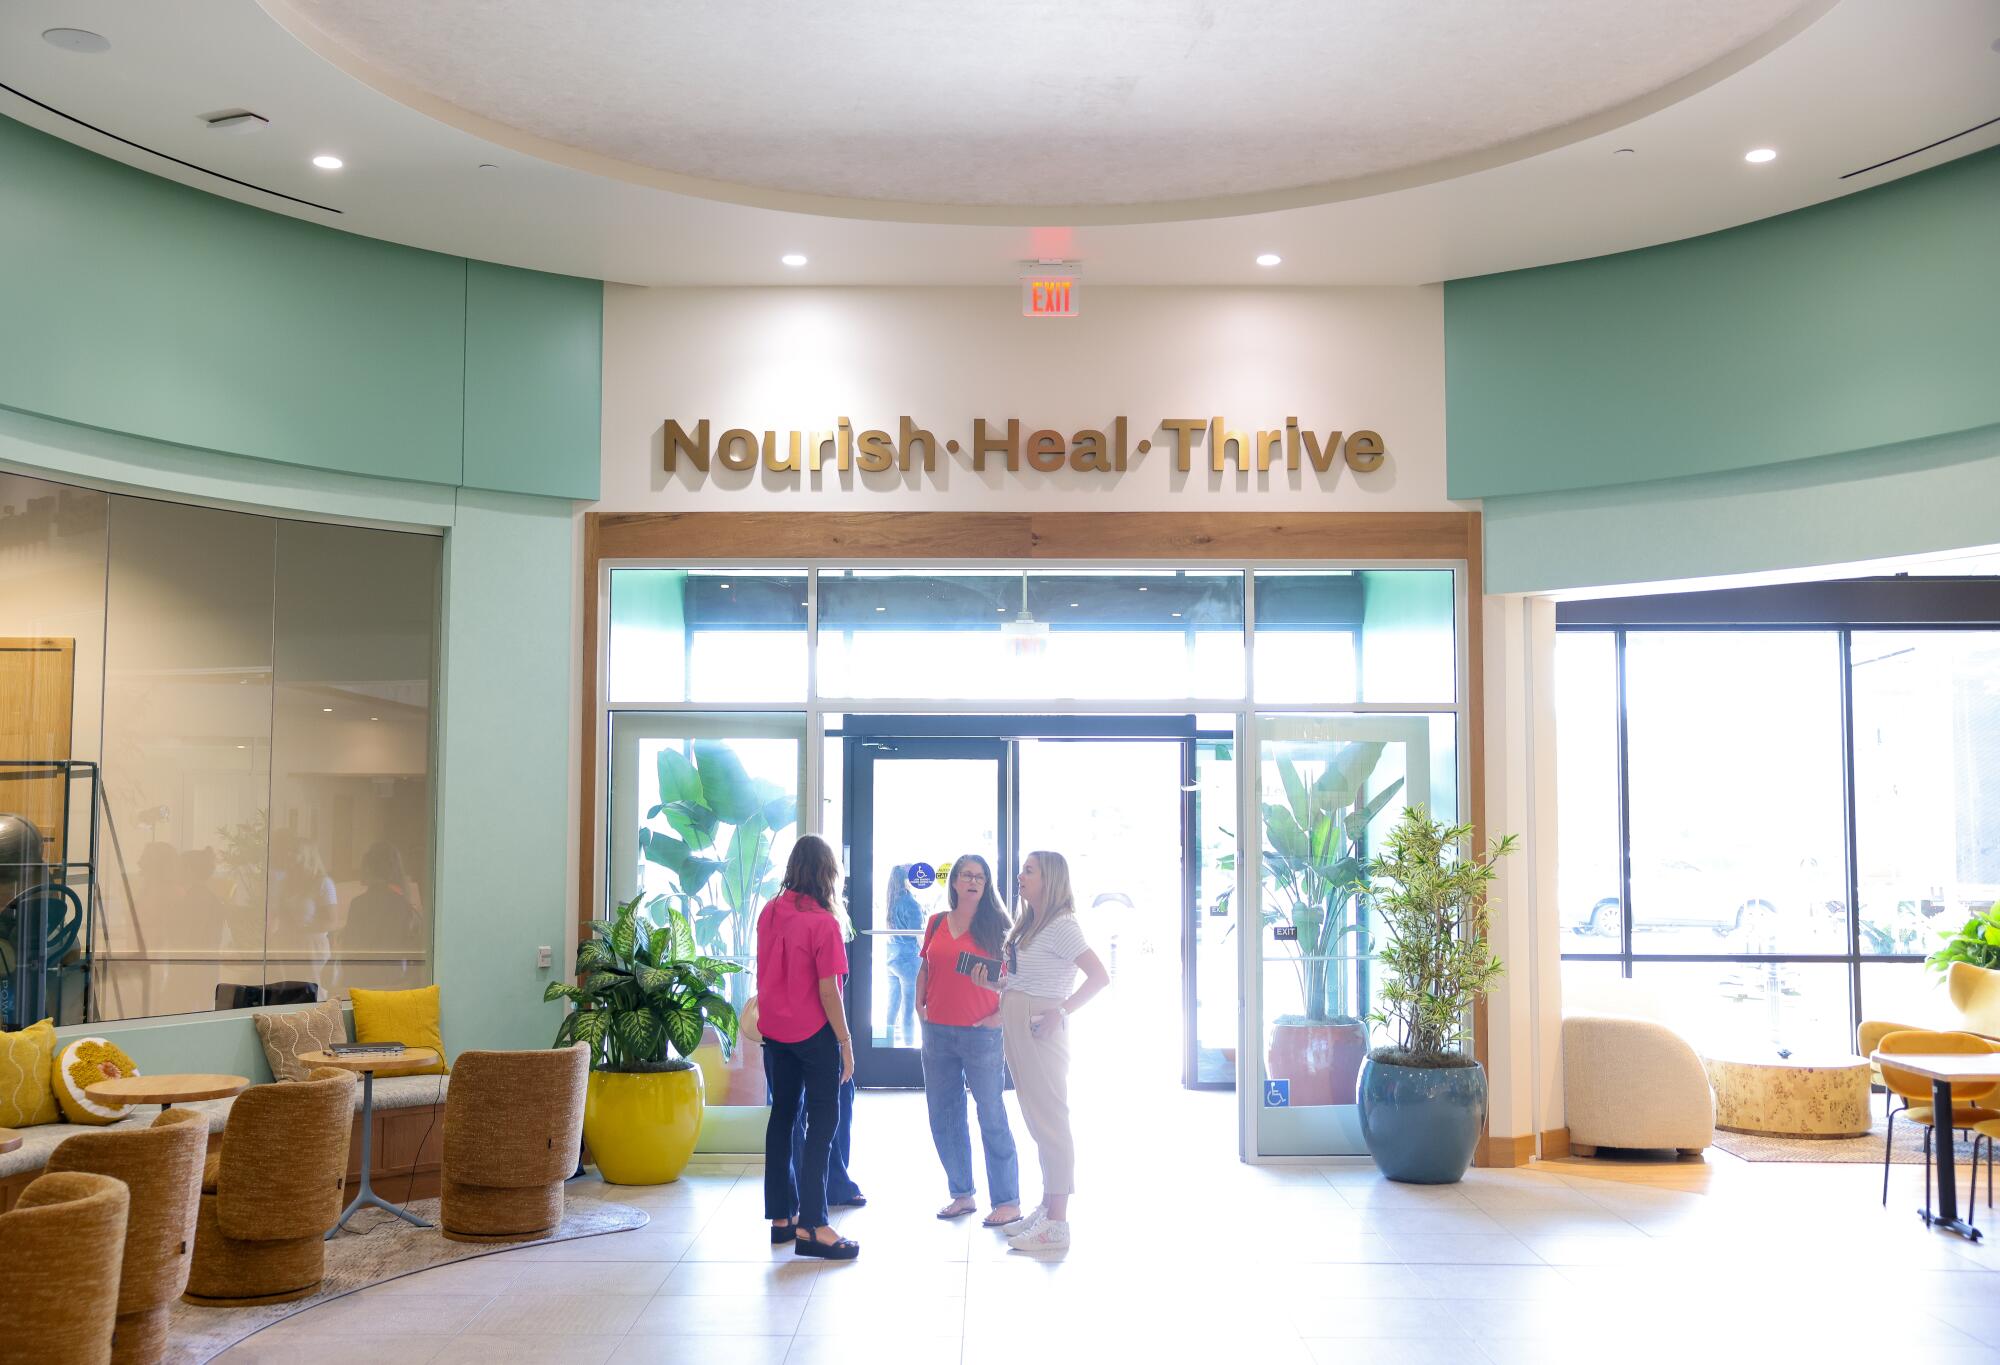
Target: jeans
(902, 998)
(955, 1058)
(840, 1187)
(802, 1075)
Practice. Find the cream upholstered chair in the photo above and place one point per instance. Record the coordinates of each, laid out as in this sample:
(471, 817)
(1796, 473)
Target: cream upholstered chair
(513, 1123)
(60, 1251)
(161, 1166)
(1633, 1083)
(270, 1196)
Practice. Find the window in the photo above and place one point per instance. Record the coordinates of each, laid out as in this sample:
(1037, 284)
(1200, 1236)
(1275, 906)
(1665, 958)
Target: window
(251, 697)
(1755, 921)
(1588, 895)
(703, 635)
(992, 636)
(703, 809)
(1926, 782)
(1357, 635)
(1737, 818)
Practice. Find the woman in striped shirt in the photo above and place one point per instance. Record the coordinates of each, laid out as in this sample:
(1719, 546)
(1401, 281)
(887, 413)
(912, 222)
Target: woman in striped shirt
(1039, 992)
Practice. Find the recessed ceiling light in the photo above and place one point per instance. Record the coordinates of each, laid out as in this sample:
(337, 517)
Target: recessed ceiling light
(1760, 155)
(327, 709)
(328, 163)
(1269, 259)
(374, 718)
(76, 40)
(793, 259)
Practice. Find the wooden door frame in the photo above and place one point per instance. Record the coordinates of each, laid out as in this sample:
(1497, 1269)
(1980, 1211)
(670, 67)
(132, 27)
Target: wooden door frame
(1191, 537)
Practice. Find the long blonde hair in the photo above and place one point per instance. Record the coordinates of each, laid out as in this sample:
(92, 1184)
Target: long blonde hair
(1055, 891)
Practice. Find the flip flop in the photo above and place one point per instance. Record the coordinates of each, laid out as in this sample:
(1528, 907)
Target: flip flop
(994, 1220)
(945, 1214)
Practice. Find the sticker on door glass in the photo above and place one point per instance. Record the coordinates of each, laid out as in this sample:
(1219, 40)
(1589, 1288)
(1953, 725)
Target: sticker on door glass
(922, 875)
(1277, 1094)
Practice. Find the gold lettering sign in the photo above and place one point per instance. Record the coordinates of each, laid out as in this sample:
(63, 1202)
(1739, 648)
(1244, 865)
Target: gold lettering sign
(1090, 451)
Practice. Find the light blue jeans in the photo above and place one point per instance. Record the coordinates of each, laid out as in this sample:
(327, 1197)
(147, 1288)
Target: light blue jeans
(957, 1058)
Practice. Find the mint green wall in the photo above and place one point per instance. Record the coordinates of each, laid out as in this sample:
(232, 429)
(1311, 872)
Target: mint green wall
(139, 305)
(533, 393)
(1867, 321)
(1917, 498)
(504, 806)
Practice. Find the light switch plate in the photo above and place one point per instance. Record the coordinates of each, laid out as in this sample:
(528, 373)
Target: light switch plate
(545, 956)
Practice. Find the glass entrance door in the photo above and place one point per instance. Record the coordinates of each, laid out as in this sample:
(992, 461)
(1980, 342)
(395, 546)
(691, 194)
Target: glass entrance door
(918, 804)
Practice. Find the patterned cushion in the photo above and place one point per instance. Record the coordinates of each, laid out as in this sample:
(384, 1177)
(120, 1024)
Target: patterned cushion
(27, 1068)
(285, 1034)
(82, 1064)
(406, 1017)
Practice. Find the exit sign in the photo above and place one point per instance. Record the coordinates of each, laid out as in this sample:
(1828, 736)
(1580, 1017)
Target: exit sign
(1048, 296)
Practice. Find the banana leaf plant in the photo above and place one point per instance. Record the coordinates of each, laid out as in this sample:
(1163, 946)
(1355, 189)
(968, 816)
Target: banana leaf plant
(713, 832)
(1314, 866)
(645, 991)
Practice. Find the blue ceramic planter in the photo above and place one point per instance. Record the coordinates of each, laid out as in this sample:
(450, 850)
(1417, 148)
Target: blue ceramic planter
(1422, 1123)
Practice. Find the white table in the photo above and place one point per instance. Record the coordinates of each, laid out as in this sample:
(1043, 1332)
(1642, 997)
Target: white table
(1944, 1069)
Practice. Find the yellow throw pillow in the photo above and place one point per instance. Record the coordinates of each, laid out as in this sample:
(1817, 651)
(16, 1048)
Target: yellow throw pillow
(82, 1064)
(27, 1069)
(406, 1017)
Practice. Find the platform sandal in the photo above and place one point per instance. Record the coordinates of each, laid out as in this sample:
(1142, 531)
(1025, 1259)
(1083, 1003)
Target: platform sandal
(809, 1245)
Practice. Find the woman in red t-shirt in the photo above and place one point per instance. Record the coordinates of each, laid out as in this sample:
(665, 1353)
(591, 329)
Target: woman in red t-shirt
(801, 963)
(962, 1043)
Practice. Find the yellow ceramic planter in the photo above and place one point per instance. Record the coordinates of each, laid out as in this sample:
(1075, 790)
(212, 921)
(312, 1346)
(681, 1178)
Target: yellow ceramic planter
(641, 1126)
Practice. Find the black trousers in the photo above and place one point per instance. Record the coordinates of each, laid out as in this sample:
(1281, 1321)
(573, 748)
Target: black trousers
(804, 1075)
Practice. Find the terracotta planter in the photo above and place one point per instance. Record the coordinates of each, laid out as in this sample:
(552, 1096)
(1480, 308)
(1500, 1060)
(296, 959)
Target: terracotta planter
(1320, 1060)
(736, 1080)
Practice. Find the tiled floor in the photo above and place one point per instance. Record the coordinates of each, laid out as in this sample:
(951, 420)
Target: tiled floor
(1184, 1254)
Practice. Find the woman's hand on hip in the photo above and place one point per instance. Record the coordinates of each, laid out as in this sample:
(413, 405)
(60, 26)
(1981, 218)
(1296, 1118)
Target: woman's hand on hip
(990, 1021)
(1045, 1022)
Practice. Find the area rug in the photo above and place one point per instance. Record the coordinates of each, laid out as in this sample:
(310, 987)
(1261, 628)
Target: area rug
(383, 1248)
(1909, 1149)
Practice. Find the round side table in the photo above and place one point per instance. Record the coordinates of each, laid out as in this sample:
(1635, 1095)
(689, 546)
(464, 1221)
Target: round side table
(9, 1140)
(385, 1064)
(167, 1091)
(1800, 1097)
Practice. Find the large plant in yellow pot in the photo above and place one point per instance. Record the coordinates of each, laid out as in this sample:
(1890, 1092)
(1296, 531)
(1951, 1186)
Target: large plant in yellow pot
(644, 997)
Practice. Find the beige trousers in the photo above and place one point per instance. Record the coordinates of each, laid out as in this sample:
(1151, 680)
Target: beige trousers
(1041, 1085)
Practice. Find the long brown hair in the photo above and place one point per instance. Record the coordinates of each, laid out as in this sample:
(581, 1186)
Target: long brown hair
(1055, 890)
(813, 871)
(989, 920)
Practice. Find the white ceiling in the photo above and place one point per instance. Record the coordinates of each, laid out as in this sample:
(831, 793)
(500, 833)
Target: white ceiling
(1042, 103)
(1834, 89)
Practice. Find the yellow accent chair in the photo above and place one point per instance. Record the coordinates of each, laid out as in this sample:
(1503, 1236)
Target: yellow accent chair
(60, 1251)
(1975, 994)
(513, 1125)
(1915, 1094)
(161, 1166)
(273, 1192)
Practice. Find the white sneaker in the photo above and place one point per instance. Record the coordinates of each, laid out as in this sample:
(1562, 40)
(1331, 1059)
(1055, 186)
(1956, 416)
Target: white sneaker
(1034, 1219)
(1048, 1235)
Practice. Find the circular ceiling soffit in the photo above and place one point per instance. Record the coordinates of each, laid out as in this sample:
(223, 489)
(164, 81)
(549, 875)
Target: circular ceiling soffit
(1012, 111)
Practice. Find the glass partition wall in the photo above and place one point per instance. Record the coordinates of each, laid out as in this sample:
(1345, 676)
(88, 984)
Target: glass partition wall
(218, 728)
(741, 706)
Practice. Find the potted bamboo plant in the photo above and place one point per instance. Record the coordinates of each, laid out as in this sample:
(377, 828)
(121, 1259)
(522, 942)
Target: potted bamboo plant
(644, 998)
(1423, 1097)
